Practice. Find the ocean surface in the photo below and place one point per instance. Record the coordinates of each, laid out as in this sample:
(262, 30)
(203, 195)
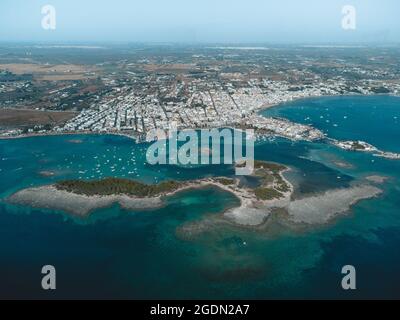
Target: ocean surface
(116, 253)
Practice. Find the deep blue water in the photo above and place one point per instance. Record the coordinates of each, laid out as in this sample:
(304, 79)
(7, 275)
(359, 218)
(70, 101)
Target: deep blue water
(120, 254)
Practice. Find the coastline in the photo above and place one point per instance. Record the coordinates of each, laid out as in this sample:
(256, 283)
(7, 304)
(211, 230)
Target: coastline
(49, 197)
(252, 212)
(80, 199)
(75, 133)
(277, 105)
(258, 109)
(134, 136)
(346, 145)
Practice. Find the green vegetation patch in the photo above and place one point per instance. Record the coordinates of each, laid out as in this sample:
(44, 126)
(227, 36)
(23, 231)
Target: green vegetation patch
(225, 181)
(267, 193)
(283, 187)
(273, 167)
(114, 186)
(357, 146)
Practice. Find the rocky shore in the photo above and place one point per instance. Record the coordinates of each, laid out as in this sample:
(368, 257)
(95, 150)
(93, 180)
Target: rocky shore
(257, 204)
(49, 197)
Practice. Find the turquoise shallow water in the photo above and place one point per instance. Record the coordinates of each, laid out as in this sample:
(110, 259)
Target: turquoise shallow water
(121, 254)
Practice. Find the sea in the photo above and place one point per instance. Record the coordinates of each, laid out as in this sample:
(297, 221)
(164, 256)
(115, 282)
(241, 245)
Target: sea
(120, 254)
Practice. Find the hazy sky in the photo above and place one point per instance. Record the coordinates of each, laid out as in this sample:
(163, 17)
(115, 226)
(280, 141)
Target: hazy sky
(312, 21)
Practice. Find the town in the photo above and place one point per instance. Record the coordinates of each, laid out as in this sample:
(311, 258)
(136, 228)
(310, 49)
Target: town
(133, 90)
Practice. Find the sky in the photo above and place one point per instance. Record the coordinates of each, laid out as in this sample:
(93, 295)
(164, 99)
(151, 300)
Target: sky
(201, 21)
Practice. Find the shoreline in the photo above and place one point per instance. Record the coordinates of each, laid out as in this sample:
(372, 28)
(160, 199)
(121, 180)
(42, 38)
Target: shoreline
(50, 197)
(263, 107)
(345, 145)
(76, 133)
(252, 212)
(277, 105)
(273, 220)
(77, 201)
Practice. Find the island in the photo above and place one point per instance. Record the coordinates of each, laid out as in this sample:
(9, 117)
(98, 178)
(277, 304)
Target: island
(270, 190)
(81, 197)
(363, 146)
